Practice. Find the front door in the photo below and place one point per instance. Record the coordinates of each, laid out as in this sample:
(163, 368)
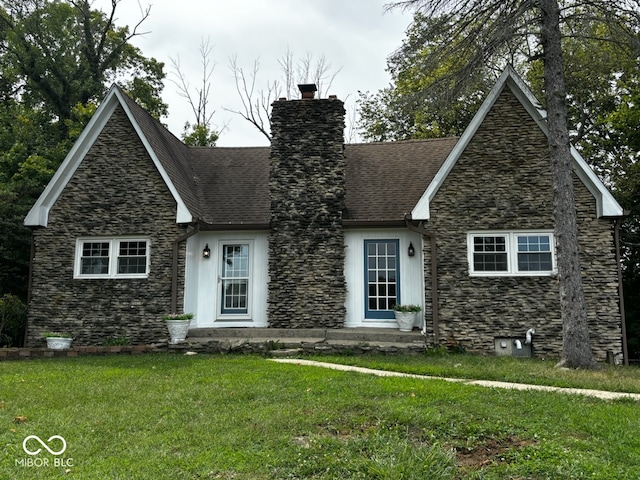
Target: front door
(234, 281)
(382, 279)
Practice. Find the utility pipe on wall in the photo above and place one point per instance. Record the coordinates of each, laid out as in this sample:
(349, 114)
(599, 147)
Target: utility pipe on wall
(528, 336)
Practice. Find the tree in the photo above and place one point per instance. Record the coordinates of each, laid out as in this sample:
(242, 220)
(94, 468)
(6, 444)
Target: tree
(624, 119)
(13, 315)
(199, 133)
(419, 102)
(481, 30)
(63, 53)
(256, 103)
(57, 59)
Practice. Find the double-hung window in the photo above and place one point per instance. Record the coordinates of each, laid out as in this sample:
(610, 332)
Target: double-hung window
(511, 253)
(112, 258)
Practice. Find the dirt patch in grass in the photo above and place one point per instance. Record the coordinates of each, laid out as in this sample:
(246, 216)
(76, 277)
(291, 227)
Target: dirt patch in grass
(488, 451)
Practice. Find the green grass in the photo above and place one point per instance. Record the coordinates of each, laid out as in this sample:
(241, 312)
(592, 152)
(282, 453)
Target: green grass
(243, 417)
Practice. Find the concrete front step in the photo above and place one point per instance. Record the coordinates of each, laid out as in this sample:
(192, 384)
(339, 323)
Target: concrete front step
(348, 334)
(312, 340)
(257, 332)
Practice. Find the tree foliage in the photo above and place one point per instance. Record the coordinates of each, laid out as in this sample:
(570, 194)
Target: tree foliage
(57, 59)
(13, 315)
(424, 100)
(63, 53)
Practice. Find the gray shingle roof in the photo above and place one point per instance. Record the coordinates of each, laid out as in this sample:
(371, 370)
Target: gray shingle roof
(229, 187)
(386, 180)
(232, 185)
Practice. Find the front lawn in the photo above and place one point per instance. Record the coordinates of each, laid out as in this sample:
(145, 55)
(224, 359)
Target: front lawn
(167, 416)
(536, 371)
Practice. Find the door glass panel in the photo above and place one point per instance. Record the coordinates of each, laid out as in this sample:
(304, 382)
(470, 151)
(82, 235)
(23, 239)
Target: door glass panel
(381, 277)
(235, 279)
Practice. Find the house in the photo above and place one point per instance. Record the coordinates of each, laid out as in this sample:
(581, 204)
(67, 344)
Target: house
(312, 233)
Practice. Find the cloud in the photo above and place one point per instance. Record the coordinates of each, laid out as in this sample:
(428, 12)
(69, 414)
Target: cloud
(354, 36)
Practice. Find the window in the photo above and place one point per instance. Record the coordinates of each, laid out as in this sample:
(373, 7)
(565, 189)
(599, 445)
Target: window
(132, 257)
(534, 253)
(235, 279)
(490, 254)
(511, 253)
(112, 257)
(381, 278)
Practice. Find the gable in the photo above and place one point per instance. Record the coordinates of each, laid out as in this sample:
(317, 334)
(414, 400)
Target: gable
(39, 213)
(502, 179)
(116, 189)
(606, 205)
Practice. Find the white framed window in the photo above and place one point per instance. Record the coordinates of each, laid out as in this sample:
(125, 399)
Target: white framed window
(113, 257)
(500, 253)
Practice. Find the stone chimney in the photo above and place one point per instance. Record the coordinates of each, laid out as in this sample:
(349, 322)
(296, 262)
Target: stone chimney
(307, 190)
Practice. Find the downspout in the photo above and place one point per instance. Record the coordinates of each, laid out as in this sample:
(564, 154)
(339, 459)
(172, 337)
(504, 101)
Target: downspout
(434, 276)
(616, 236)
(174, 271)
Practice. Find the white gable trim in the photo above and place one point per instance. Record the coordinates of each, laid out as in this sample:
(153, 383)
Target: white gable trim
(38, 216)
(606, 204)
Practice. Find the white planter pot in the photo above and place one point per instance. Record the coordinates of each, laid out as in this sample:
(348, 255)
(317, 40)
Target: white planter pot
(178, 330)
(58, 343)
(405, 320)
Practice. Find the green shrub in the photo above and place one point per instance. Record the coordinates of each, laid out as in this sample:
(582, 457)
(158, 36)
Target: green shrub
(117, 341)
(13, 320)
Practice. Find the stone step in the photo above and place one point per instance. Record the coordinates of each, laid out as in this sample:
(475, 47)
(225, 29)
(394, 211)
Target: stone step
(291, 346)
(257, 340)
(257, 332)
(374, 335)
(308, 340)
(297, 335)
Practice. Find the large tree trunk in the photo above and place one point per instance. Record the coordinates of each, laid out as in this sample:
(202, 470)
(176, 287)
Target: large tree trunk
(576, 348)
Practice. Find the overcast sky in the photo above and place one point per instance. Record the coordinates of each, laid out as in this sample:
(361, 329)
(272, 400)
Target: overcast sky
(355, 36)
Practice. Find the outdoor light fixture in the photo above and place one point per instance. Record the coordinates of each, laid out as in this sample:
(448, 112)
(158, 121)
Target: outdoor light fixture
(411, 251)
(206, 253)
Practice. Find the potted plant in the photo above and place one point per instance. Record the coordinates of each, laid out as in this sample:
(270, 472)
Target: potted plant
(58, 340)
(406, 316)
(178, 325)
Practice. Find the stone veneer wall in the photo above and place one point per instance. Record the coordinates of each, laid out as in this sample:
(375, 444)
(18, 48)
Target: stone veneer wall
(115, 191)
(502, 181)
(307, 189)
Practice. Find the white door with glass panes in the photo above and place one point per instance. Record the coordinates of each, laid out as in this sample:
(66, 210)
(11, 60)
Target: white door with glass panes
(234, 281)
